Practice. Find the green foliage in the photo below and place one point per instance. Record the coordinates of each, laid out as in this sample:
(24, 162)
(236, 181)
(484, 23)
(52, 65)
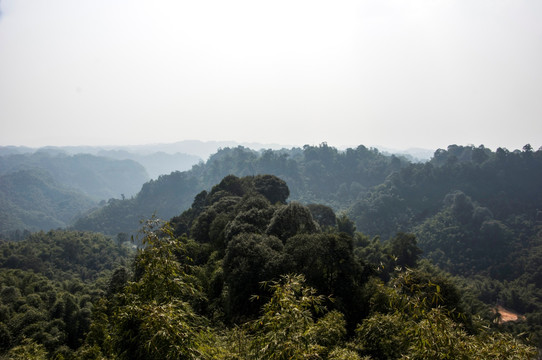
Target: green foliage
(273, 188)
(463, 236)
(194, 288)
(290, 220)
(506, 184)
(153, 317)
(249, 260)
(42, 310)
(314, 174)
(29, 350)
(415, 324)
(33, 200)
(95, 176)
(344, 354)
(64, 254)
(328, 263)
(383, 336)
(345, 225)
(323, 215)
(404, 248)
(287, 328)
(253, 216)
(474, 213)
(48, 283)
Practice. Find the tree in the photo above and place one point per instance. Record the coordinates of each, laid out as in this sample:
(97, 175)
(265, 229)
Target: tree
(249, 260)
(287, 328)
(323, 215)
(153, 317)
(408, 324)
(328, 264)
(404, 248)
(253, 215)
(290, 220)
(28, 350)
(273, 188)
(346, 225)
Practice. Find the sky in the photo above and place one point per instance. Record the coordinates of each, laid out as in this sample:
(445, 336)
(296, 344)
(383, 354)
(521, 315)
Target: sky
(394, 73)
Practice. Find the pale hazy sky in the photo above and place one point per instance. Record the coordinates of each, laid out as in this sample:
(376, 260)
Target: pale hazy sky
(397, 73)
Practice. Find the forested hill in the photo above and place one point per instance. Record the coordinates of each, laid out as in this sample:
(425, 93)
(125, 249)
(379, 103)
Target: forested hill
(94, 176)
(48, 189)
(507, 183)
(314, 174)
(472, 208)
(32, 200)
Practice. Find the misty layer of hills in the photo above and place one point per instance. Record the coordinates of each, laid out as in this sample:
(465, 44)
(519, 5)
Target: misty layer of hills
(97, 177)
(56, 185)
(314, 174)
(117, 178)
(45, 190)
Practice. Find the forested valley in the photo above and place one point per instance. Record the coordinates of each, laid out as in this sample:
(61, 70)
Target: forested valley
(307, 253)
(49, 189)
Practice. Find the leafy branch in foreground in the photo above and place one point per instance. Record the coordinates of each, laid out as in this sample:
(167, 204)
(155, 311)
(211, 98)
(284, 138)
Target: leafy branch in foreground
(153, 318)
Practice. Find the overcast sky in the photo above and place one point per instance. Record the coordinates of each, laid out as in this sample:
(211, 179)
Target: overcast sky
(396, 73)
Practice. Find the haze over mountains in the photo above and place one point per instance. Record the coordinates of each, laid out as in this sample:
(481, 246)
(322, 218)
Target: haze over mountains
(200, 149)
(84, 176)
(48, 187)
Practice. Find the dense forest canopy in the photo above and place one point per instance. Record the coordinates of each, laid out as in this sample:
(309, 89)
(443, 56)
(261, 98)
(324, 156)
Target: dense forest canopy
(301, 253)
(49, 285)
(314, 174)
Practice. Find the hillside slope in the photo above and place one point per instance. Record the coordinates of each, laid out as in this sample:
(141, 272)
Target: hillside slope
(32, 200)
(314, 174)
(95, 176)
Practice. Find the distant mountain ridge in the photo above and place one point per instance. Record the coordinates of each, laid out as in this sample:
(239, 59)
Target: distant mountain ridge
(195, 150)
(157, 163)
(201, 149)
(157, 159)
(97, 177)
(314, 174)
(46, 190)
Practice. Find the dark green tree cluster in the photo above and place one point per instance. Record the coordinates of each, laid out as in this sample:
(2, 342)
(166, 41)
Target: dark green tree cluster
(415, 317)
(507, 183)
(62, 254)
(48, 313)
(48, 285)
(464, 238)
(250, 232)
